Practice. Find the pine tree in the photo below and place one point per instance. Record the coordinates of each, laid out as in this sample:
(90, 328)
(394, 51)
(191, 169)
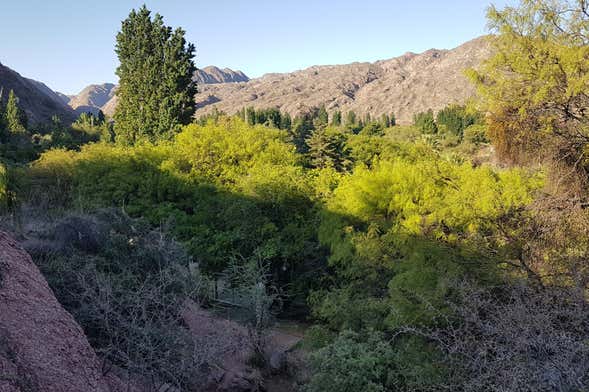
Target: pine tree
(156, 89)
(321, 149)
(336, 120)
(385, 120)
(321, 118)
(393, 119)
(351, 119)
(16, 120)
(250, 116)
(425, 122)
(285, 121)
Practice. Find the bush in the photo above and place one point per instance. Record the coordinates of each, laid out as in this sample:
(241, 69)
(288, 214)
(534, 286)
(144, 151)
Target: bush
(514, 338)
(230, 190)
(369, 362)
(128, 295)
(476, 134)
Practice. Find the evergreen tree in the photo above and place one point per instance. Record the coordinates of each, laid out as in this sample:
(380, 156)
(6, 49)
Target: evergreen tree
(385, 120)
(327, 148)
(393, 119)
(336, 120)
(321, 118)
(100, 116)
(425, 122)
(351, 119)
(16, 119)
(250, 116)
(156, 89)
(285, 121)
(321, 149)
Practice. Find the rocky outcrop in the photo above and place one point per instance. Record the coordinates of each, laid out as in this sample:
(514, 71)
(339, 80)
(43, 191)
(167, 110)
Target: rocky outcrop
(403, 85)
(42, 348)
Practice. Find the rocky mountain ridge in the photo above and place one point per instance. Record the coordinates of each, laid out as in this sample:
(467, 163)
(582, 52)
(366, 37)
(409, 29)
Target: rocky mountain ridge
(403, 85)
(38, 101)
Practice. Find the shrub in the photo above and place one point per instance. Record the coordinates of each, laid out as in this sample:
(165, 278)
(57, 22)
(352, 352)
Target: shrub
(127, 294)
(476, 134)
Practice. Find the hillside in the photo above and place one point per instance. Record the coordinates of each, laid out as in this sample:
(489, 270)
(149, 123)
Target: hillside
(38, 101)
(102, 96)
(403, 85)
(215, 75)
(92, 98)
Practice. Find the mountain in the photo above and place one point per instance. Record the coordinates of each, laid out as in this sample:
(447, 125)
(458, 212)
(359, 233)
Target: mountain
(38, 101)
(92, 98)
(102, 96)
(214, 75)
(404, 85)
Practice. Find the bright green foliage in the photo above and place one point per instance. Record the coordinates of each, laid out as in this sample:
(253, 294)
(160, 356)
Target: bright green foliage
(535, 87)
(16, 119)
(156, 89)
(409, 225)
(426, 122)
(228, 189)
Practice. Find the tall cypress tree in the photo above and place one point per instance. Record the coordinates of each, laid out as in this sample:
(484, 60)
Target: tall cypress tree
(16, 119)
(156, 87)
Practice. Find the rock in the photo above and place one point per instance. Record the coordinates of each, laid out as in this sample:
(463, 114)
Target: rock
(42, 348)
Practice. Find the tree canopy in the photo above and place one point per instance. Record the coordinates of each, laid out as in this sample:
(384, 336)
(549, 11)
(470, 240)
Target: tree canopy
(156, 86)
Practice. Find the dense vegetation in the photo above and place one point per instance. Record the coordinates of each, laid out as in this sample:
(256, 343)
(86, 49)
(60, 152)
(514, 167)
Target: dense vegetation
(422, 265)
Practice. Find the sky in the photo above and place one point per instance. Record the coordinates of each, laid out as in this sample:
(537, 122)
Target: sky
(69, 44)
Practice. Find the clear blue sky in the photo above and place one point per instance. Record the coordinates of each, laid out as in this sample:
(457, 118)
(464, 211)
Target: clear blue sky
(69, 44)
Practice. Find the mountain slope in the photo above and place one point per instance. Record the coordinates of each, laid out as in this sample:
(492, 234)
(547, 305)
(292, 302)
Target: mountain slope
(403, 85)
(214, 75)
(102, 96)
(38, 101)
(92, 98)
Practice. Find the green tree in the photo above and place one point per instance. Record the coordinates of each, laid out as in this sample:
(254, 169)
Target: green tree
(336, 120)
(425, 122)
(393, 119)
(321, 149)
(156, 89)
(16, 119)
(285, 121)
(535, 87)
(321, 117)
(351, 119)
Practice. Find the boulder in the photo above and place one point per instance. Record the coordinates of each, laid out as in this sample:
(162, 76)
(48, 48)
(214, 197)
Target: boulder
(42, 348)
